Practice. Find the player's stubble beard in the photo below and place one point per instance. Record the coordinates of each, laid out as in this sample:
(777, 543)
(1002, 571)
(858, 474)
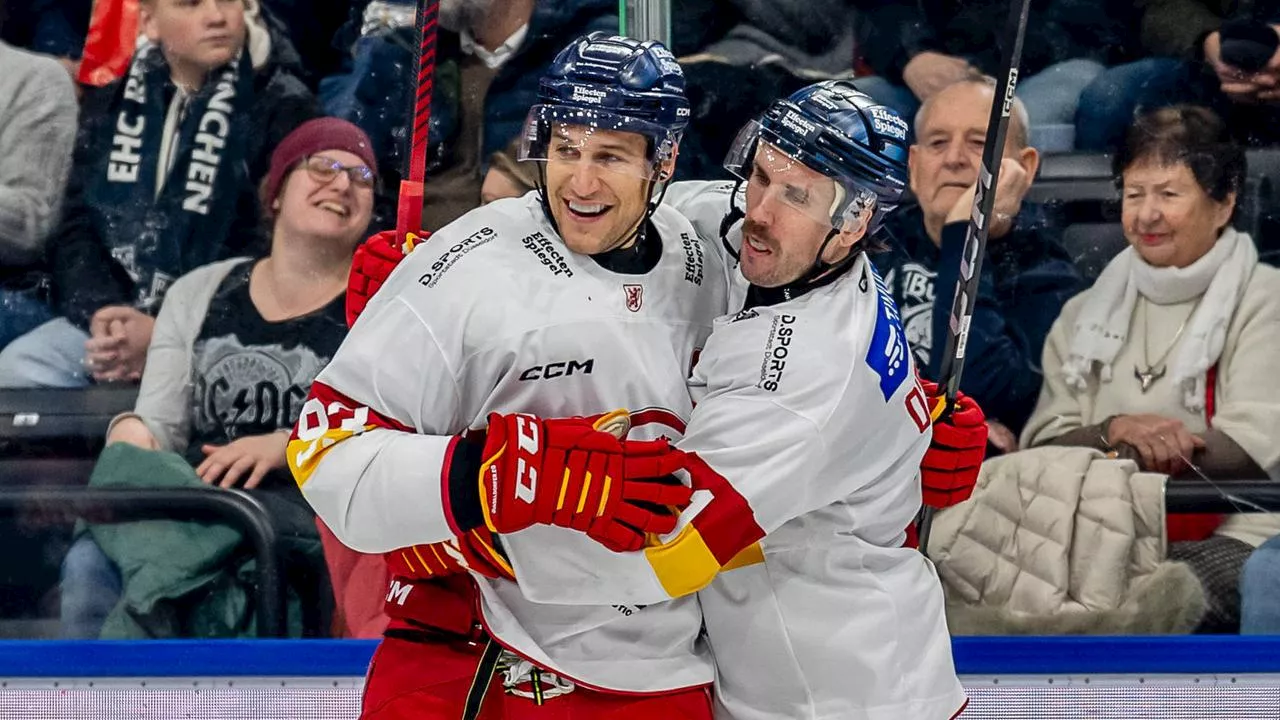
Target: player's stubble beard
(459, 15)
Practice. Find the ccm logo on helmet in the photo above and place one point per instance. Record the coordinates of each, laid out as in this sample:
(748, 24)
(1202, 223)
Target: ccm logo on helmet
(559, 369)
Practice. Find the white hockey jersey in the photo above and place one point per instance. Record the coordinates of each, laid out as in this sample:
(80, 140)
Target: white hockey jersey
(495, 314)
(809, 412)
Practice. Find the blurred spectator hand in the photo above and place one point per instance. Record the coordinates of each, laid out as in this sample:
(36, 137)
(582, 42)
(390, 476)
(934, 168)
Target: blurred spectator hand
(1001, 437)
(133, 431)
(1162, 444)
(498, 185)
(224, 465)
(1238, 85)
(117, 346)
(1011, 188)
(928, 72)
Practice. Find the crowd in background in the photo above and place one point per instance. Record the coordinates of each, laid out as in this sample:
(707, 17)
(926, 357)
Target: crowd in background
(183, 182)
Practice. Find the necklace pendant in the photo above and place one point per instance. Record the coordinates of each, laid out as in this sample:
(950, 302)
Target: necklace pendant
(1148, 378)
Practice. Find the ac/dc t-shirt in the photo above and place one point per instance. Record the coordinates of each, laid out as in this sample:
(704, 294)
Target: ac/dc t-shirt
(250, 376)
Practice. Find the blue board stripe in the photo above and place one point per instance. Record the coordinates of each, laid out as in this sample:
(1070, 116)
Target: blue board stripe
(349, 658)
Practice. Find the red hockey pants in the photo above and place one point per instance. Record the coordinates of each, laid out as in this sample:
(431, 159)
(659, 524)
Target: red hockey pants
(429, 679)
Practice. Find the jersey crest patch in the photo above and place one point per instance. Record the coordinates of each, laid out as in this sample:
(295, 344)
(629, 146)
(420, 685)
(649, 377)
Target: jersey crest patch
(887, 355)
(635, 296)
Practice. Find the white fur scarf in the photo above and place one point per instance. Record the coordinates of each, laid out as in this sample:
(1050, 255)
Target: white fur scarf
(1102, 327)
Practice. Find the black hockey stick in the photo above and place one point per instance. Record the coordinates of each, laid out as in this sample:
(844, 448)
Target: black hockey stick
(975, 242)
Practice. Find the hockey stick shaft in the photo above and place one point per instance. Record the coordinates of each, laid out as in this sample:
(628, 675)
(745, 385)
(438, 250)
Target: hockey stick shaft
(975, 243)
(409, 212)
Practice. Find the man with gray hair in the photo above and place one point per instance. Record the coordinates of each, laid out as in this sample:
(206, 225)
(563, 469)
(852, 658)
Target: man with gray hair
(1026, 276)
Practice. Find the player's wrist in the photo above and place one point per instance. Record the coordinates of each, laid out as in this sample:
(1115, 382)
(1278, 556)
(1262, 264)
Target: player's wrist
(466, 503)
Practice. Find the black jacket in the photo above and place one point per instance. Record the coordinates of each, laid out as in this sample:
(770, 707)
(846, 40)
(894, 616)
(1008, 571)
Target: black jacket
(894, 31)
(86, 277)
(1027, 277)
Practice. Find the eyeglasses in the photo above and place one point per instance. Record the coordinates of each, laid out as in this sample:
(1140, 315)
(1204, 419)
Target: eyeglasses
(324, 169)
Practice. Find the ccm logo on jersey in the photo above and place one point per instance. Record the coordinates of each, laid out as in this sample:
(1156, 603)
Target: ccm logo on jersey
(554, 370)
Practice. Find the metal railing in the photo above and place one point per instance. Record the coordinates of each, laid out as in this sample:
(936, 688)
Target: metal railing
(1198, 496)
(102, 505)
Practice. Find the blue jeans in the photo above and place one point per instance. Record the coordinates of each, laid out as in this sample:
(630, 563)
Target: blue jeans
(1260, 591)
(91, 588)
(1109, 104)
(51, 356)
(21, 311)
(1052, 97)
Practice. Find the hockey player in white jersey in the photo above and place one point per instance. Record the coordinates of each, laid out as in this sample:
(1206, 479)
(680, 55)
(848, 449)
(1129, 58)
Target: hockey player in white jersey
(423, 434)
(808, 435)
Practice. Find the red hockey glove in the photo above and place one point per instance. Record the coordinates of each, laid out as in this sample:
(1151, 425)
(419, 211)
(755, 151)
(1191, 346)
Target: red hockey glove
(569, 473)
(950, 466)
(372, 264)
(476, 550)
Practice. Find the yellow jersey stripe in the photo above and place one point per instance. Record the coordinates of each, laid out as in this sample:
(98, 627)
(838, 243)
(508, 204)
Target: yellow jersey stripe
(685, 564)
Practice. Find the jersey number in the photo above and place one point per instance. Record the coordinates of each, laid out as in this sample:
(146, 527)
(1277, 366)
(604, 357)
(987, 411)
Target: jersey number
(314, 425)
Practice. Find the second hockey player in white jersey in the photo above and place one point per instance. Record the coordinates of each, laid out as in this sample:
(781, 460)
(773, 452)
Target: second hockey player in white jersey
(808, 434)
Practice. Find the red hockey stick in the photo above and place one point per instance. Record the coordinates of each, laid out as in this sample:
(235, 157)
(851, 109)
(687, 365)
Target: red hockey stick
(409, 212)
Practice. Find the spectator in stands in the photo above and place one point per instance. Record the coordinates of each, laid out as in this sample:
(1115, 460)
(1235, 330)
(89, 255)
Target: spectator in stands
(162, 183)
(237, 344)
(804, 35)
(1027, 276)
(1222, 55)
(929, 45)
(37, 130)
(1167, 358)
(490, 55)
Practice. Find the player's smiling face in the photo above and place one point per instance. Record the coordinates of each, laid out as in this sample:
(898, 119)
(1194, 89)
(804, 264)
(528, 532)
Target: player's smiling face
(783, 229)
(598, 185)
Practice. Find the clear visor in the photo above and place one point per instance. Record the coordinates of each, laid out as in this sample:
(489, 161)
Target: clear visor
(596, 139)
(775, 178)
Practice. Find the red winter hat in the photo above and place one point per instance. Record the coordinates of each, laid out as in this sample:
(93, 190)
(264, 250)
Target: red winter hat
(314, 136)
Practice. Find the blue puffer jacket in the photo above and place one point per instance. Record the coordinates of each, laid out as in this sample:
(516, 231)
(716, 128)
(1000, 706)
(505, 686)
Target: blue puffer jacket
(375, 89)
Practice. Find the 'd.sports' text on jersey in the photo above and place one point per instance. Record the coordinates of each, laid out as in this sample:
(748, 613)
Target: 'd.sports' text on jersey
(494, 314)
(812, 425)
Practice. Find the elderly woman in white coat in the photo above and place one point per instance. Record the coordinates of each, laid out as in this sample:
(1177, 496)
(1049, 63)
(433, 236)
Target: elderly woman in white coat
(1169, 359)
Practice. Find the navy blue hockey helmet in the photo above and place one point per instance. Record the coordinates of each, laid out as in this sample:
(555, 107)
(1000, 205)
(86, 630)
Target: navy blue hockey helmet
(835, 129)
(609, 82)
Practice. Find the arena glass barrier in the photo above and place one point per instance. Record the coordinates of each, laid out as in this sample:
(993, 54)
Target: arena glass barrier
(1166, 678)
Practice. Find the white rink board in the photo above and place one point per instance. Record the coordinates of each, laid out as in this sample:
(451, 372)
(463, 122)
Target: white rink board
(1119, 697)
